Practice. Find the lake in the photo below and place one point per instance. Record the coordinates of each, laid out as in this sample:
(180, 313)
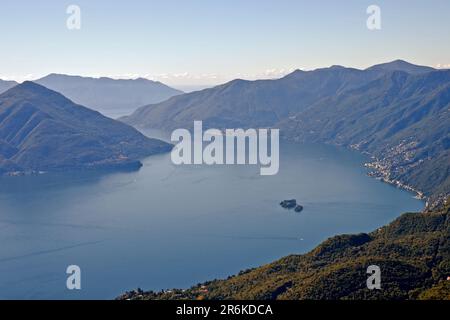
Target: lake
(166, 226)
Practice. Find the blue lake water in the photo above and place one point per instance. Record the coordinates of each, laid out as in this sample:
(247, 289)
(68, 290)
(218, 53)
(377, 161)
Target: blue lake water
(166, 226)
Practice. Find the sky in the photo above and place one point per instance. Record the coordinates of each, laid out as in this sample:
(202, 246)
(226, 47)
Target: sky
(206, 42)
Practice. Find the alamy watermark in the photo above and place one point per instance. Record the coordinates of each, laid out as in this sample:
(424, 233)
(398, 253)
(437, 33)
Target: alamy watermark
(228, 147)
(73, 281)
(374, 280)
(73, 22)
(374, 20)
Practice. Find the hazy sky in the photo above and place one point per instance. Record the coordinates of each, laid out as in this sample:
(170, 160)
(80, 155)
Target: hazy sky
(192, 42)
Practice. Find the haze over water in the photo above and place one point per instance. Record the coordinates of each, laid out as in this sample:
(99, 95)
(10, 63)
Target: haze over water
(166, 226)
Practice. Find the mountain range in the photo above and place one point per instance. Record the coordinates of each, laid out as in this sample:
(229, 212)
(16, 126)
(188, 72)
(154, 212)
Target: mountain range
(397, 112)
(41, 130)
(111, 97)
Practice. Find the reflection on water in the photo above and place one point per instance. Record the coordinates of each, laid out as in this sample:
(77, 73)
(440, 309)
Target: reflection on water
(166, 226)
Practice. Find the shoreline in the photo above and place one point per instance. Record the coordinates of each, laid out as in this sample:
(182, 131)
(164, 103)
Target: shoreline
(383, 175)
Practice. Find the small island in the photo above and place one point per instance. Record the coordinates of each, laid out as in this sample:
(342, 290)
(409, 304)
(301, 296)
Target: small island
(291, 204)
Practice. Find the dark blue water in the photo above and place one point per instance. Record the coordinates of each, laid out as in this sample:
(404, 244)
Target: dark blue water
(167, 226)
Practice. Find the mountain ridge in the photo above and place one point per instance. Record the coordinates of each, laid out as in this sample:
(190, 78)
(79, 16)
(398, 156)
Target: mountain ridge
(112, 97)
(401, 65)
(296, 90)
(41, 130)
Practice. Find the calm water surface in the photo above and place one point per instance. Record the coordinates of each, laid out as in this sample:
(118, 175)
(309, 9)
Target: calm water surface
(166, 226)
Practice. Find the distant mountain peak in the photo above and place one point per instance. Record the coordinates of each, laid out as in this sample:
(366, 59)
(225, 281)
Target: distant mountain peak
(30, 87)
(296, 73)
(336, 66)
(401, 65)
